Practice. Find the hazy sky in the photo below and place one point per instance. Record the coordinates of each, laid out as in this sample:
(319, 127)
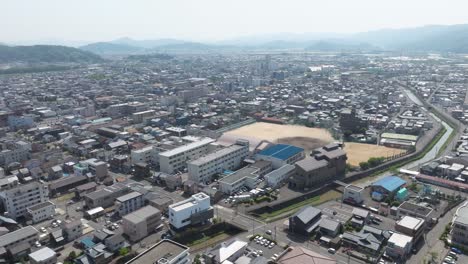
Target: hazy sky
(102, 20)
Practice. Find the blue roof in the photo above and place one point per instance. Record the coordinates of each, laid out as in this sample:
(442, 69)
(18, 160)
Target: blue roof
(390, 183)
(87, 242)
(281, 151)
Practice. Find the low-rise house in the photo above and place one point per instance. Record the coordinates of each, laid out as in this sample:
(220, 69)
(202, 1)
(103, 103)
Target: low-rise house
(300, 255)
(329, 228)
(44, 255)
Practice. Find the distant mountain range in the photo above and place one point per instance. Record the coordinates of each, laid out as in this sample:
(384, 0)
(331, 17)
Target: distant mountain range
(46, 53)
(434, 38)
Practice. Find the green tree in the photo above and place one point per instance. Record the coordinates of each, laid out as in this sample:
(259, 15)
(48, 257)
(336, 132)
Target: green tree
(364, 165)
(72, 255)
(123, 251)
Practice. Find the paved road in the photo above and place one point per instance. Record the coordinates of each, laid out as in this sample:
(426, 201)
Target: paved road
(432, 242)
(255, 226)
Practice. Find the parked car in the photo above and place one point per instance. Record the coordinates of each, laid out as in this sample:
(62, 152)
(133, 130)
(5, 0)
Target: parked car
(456, 250)
(331, 250)
(268, 232)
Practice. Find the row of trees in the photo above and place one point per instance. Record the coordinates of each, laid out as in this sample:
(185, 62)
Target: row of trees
(371, 163)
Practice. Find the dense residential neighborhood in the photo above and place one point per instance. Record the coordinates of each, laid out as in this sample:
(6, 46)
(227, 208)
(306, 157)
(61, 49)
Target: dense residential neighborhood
(239, 158)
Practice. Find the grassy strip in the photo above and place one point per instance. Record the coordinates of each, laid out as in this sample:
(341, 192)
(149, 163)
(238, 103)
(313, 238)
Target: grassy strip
(287, 211)
(215, 236)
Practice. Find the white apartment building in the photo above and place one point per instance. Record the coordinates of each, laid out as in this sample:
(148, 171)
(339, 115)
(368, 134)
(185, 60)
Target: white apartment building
(128, 203)
(176, 159)
(194, 210)
(41, 212)
(141, 223)
(148, 155)
(229, 158)
(18, 199)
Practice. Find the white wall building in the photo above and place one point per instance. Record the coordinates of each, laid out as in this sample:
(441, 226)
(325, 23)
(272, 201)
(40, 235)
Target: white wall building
(353, 194)
(229, 158)
(274, 178)
(176, 159)
(399, 246)
(148, 155)
(18, 199)
(128, 203)
(41, 212)
(196, 209)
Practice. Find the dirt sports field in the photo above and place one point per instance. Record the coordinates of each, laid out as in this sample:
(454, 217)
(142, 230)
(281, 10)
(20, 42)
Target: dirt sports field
(359, 152)
(304, 137)
(301, 136)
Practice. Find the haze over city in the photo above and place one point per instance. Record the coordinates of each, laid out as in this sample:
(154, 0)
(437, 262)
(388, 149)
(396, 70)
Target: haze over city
(212, 20)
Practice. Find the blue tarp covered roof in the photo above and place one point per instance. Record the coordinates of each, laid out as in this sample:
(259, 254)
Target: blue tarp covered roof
(281, 151)
(390, 183)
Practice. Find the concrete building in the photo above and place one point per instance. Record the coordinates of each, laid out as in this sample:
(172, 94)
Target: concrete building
(148, 155)
(415, 210)
(128, 203)
(140, 223)
(105, 197)
(460, 226)
(275, 178)
(248, 176)
(195, 210)
(411, 226)
(96, 167)
(18, 199)
(72, 229)
(41, 212)
(202, 170)
(399, 246)
(353, 194)
(326, 163)
(281, 154)
(164, 252)
(176, 159)
(44, 255)
(14, 151)
(19, 242)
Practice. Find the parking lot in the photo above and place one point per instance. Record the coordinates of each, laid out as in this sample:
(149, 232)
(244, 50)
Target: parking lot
(265, 251)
